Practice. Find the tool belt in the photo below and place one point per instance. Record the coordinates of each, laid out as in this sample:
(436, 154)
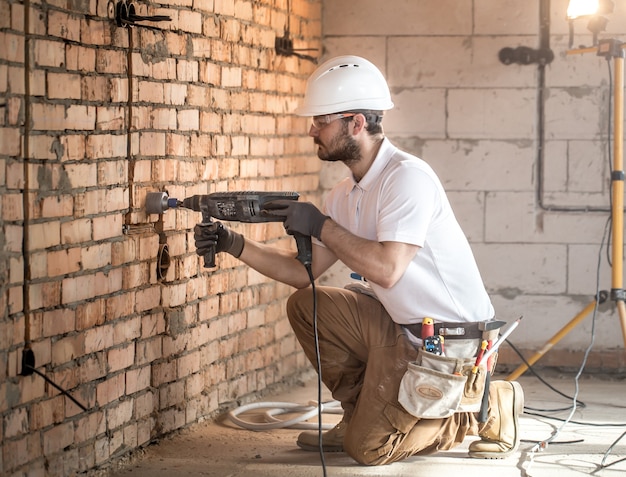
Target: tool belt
(467, 331)
(436, 385)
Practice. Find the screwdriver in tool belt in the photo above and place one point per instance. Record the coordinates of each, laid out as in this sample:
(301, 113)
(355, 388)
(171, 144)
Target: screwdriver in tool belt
(428, 328)
(479, 356)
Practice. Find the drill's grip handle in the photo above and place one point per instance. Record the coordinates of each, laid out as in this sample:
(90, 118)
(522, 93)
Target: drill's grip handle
(209, 256)
(305, 248)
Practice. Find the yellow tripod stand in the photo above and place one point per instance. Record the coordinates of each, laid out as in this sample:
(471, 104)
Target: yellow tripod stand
(610, 49)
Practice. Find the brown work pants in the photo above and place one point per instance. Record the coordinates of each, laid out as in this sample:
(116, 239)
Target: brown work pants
(364, 355)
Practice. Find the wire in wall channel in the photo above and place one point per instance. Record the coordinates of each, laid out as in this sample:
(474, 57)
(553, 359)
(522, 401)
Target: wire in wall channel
(125, 15)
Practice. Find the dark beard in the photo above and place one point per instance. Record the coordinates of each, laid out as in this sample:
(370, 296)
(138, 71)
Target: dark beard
(342, 148)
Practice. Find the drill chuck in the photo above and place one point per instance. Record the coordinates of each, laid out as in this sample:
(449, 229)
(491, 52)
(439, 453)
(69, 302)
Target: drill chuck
(159, 202)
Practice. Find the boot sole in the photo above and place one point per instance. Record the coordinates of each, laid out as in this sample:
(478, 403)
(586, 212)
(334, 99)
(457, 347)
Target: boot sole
(310, 448)
(518, 408)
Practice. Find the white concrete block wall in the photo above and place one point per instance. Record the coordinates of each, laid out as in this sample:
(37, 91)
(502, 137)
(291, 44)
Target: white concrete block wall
(476, 121)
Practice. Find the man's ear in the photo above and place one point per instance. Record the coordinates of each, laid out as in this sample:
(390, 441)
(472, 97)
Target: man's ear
(359, 123)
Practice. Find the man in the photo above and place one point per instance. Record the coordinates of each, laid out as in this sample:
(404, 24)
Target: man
(391, 223)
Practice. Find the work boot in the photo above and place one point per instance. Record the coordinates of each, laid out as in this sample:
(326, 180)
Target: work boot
(499, 437)
(332, 440)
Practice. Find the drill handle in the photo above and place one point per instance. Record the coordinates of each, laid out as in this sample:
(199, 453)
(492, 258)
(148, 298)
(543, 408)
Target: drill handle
(209, 256)
(305, 248)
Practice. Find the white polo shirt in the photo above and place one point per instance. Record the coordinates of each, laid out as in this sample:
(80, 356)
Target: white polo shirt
(401, 199)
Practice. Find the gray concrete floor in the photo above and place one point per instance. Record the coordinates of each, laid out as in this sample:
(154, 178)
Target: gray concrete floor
(223, 449)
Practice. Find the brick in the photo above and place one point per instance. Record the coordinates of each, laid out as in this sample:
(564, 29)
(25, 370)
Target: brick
(137, 380)
(105, 146)
(59, 322)
(12, 47)
(79, 117)
(92, 368)
(121, 358)
(95, 256)
(147, 299)
(231, 77)
(10, 138)
(12, 207)
(57, 206)
(90, 314)
(188, 365)
(152, 144)
(148, 247)
(47, 412)
(75, 231)
(18, 452)
(171, 394)
(16, 422)
(15, 303)
(73, 146)
(48, 117)
(110, 390)
(119, 306)
(134, 276)
(110, 61)
(49, 53)
(144, 407)
(80, 58)
(79, 288)
(120, 414)
(67, 349)
(124, 251)
(174, 295)
(42, 147)
(188, 119)
(151, 92)
(149, 350)
(89, 426)
(63, 86)
(163, 373)
(187, 70)
(107, 227)
(119, 90)
(164, 70)
(16, 270)
(163, 118)
(174, 93)
(190, 21)
(102, 450)
(64, 262)
(43, 295)
(110, 117)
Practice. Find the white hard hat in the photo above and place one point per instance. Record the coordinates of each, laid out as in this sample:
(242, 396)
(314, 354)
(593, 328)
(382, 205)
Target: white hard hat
(345, 83)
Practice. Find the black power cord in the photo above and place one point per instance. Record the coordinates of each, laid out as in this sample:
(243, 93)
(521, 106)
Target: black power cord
(28, 368)
(318, 363)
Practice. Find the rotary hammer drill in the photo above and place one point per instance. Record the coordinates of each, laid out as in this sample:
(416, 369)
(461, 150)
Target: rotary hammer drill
(243, 206)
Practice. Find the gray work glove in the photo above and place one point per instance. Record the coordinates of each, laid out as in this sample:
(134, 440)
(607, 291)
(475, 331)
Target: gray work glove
(300, 217)
(214, 234)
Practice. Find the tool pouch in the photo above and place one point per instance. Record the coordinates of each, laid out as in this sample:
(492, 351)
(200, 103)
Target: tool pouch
(436, 386)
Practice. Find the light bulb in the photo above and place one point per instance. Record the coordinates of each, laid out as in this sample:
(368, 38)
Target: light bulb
(580, 8)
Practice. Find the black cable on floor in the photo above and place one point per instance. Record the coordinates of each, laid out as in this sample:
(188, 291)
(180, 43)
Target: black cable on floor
(580, 404)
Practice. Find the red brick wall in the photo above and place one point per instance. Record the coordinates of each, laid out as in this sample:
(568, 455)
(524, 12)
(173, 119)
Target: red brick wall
(201, 103)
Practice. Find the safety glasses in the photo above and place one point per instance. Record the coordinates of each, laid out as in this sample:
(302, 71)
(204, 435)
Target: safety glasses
(320, 122)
